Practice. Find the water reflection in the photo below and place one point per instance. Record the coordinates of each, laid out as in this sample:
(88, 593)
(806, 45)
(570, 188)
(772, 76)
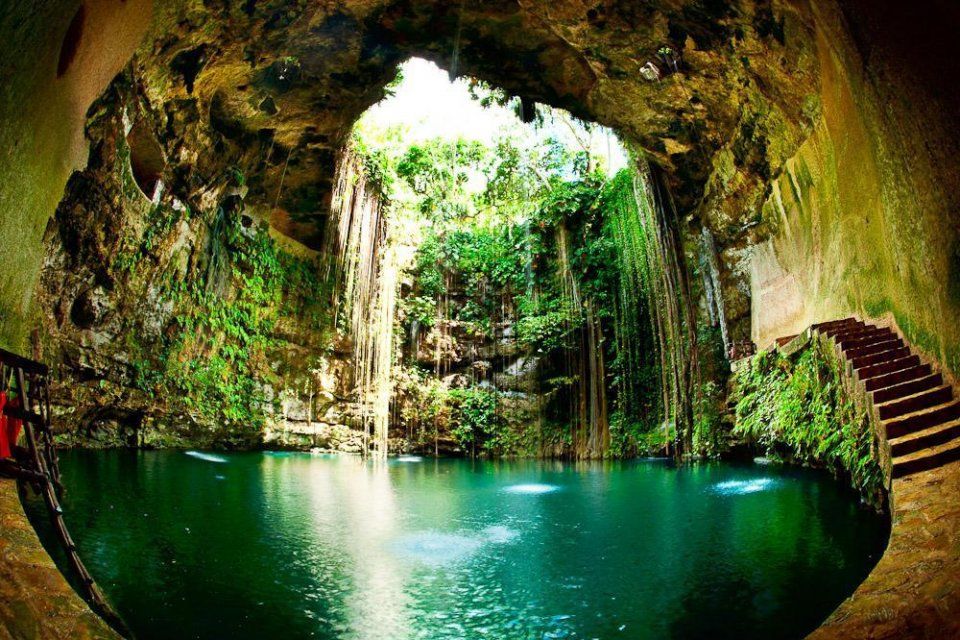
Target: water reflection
(354, 497)
(741, 487)
(207, 457)
(532, 488)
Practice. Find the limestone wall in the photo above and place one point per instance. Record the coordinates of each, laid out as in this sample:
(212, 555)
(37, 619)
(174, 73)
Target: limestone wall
(866, 212)
(50, 74)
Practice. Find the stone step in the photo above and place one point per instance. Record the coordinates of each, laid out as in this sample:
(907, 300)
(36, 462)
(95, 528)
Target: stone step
(931, 437)
(856, 343)
(877, 358)
(897, 377)
(823, 326)
(926, 459)
(876, 347)
(850, 332)
(883, 368)
(864, 338)
(916, 402)
(847, 330)
(785, 340)
(922, 419)
(908, 388)
(839, 326)
(918, 411)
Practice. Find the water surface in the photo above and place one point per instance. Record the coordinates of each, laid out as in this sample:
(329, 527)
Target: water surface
(261, 545)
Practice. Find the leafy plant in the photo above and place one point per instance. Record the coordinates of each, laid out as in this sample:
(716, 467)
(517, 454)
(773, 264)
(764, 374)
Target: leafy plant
(798, 409)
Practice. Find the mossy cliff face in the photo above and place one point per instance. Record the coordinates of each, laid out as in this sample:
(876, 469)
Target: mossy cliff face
(801, 409)
(178, 320)
(865, 217)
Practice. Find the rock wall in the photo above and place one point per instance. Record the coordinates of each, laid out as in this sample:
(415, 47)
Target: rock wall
(273, 88)
(866, 213)
(56, 57)
(175, 318)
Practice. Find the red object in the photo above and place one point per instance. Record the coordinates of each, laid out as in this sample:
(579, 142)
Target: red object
(9, 427)
(4, 433)
(14, 425)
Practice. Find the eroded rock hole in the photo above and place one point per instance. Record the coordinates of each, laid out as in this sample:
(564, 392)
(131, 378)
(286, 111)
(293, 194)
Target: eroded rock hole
(189, 63)
(146, 159)
(71, 41)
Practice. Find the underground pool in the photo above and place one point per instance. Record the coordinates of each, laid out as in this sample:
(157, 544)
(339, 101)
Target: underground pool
(294, 545)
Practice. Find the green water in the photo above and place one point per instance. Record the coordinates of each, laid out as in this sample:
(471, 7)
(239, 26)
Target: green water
(261, 545)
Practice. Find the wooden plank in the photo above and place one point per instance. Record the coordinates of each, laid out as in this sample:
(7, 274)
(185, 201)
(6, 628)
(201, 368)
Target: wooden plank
(11, 359)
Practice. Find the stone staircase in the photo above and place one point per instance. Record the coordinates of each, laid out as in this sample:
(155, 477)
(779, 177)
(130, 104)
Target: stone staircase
(916, 409)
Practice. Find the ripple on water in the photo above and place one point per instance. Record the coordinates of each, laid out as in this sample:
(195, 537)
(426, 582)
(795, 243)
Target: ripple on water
(208, 457)
(499, 534)
(741, 487)
(533, 488)
(436, 548)
(409, 459)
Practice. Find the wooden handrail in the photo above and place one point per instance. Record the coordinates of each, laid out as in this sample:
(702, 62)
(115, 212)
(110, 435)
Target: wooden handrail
(19, 362)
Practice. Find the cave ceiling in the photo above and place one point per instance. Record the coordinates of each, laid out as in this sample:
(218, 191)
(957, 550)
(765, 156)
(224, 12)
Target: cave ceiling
(272, 88)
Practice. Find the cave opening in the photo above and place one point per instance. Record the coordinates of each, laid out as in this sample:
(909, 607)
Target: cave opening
(472, 302)
(468, 212)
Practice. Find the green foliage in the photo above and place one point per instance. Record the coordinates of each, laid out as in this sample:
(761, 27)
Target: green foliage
(437, 171)
(519, 267)
(390, 89)
(481, 424)
(519, 234)
(377, 164)
(420, 309)
(212, 359)
(236, 174)
(474, 417)
(799, 409)
(548, 329)
(162, 219)
(631, 437)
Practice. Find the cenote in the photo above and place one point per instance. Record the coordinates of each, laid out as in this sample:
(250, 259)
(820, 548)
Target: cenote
(262, 545)
(421, 319)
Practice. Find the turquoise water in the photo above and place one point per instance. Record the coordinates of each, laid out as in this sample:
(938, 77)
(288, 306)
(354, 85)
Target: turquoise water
(261, 545)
